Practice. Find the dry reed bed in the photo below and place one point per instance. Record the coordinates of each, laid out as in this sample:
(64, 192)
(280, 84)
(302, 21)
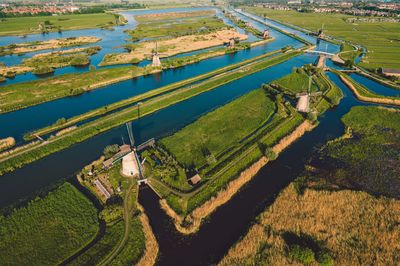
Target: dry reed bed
(150, 255)
(356, 228)
(232, 188)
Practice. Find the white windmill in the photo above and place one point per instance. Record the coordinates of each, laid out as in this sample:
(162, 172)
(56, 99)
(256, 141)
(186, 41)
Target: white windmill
(303, 104)
(155, 57)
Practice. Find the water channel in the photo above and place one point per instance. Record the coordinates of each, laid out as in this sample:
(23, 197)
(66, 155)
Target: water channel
(225, 226)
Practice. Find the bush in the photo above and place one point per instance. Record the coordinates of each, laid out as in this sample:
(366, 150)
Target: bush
(299, 185)
(110, 150)
(324, 258)
(61, 121)
(43, 70)
(270, 154)
(301, 254)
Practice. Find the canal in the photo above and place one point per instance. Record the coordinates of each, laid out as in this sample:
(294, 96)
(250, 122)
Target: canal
(230, 221)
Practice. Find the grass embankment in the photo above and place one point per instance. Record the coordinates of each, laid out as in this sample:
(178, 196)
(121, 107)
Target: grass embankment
(21, 48)
(102, 124)
(21, 95)
(30, 25)
(355, 176)
(363, 94)
(48, 230)
(378, 37)
(153, 93)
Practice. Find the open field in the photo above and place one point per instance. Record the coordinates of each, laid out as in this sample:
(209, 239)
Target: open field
(303, 225)
(48, 230)
(29, 25)
(102, 124)
(173, 15)
(296, 82)
(219, 130)
(380, 38)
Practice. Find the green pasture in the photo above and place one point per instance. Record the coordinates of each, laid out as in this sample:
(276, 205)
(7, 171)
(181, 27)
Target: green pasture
(382, 39)
(209, 136)
(48, 230)
(28, 25)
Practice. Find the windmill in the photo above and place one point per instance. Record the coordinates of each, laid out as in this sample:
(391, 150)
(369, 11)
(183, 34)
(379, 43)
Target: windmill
(321, 34)
(303, 104)
(132, 141)
(266, 33)
(155, 57)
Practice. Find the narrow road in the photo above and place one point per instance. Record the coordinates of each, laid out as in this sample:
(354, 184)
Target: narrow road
(127, 218)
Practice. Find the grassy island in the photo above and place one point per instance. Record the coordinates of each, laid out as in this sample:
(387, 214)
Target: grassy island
(22, 48)
(48, 230)
(194, 31)
(355, 176)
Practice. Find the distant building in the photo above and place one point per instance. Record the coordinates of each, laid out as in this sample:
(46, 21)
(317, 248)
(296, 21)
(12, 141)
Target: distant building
(390, 72)
(195, 179)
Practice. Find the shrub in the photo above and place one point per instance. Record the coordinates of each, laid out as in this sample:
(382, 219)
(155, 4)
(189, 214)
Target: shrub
(271, 155)
(324, 258)
(110, 150)
(299, 185)
(301, 254)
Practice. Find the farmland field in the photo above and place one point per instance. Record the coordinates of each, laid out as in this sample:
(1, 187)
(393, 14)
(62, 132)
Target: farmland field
(27, 25)
(219, 130)
(48, 230)
(382, 39)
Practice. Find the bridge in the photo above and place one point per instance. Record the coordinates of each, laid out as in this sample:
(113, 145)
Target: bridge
(319, 52)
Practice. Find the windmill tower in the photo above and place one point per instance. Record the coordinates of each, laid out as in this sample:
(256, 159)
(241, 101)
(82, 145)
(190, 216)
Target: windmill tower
(155, 57)
(303, 104)
(266, 34)
(231, 43)
(321, 34)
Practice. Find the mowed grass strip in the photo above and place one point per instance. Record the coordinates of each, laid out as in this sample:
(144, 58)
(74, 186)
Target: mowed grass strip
(220, 129)
(382, 39)
(48, 230)
(26, 25)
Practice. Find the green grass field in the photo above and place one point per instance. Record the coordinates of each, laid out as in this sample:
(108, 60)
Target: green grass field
(219, 130)
(174, 29)
(382, 39)
(28, 25)
(296, 82)
(48, 230)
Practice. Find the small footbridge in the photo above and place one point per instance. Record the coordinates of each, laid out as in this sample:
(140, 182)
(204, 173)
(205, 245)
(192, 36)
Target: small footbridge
(320, 53)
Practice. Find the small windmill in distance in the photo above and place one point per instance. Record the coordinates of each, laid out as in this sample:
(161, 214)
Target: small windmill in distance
(155, 57)
(303, 104)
